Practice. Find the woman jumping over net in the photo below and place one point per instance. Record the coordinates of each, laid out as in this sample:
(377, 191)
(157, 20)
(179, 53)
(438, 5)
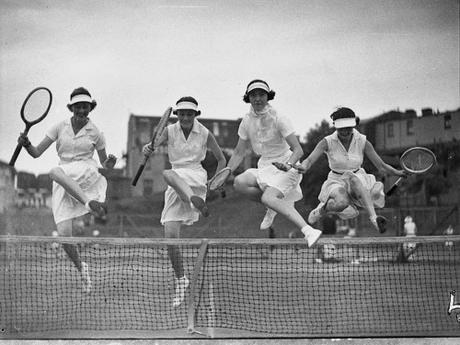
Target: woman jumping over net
(272, 137)
(187, 140)
(78, 187)
(348, 187)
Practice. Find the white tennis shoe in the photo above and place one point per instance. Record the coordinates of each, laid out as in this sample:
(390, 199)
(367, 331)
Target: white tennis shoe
(86, 279)
(181, 286)
(269, 217)
(316, 214)
(312, 235)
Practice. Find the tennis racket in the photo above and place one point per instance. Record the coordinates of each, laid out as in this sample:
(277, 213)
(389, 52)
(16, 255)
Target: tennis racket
(34, 109)
(416, 160)
(218, 180)
(155, 141)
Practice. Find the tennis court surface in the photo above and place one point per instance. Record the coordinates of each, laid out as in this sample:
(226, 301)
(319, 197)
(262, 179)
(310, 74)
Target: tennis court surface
(362, 287)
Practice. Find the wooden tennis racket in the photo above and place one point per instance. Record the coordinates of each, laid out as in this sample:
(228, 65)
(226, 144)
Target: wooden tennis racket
(218, 180)
(416, 160)
(34, 109)
(157, 132)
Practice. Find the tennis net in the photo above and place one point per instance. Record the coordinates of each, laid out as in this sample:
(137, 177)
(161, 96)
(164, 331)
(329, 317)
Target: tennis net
(265, 287)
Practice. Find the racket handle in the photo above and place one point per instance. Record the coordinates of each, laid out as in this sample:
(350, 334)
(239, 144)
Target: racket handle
(395, 186)
(140, 170)
(15, 155)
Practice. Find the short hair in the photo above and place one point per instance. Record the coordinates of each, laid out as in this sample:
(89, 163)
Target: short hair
(188, 99)
(81, 91)
(344, 113)
(271, 93)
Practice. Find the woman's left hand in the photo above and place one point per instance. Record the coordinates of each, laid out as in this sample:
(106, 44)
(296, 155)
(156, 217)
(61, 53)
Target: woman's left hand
(110, 162)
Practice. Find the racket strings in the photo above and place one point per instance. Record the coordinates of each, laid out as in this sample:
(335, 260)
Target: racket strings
(36, 105)
(218, 180)
(418, 161)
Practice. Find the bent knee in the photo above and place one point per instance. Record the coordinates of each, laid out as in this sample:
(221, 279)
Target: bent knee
(355, 182)
(239, 183)
(55, 173)
(168, 174)
(338, 201)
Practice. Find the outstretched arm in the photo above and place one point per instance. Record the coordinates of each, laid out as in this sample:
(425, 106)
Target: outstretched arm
(379, 163)
(320, 149)
(216, 150)
(238, 154)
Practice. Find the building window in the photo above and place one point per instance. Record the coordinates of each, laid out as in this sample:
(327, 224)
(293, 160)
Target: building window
(410, 127)
(447, 121)
(390, 130)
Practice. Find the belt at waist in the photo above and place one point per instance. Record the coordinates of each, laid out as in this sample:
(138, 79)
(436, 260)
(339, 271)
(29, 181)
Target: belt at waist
(341, 173)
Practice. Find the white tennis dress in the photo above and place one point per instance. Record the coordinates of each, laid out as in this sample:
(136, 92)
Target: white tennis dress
(267, 131)
(185, 156)
(341, 161)
(75, 153)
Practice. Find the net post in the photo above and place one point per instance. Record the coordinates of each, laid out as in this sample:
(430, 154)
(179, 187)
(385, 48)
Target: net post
(191, 300)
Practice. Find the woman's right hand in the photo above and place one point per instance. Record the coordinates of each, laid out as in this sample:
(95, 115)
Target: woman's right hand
(24, 140)
(147, 150)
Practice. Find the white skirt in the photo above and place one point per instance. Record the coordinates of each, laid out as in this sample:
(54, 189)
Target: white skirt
(369, 182)
(287, 182)
(93, 184)
(175, 210)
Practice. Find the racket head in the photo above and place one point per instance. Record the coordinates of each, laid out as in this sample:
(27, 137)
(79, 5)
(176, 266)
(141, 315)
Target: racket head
(36, 106)
(160, 127)
(417, 160)
(219, 179)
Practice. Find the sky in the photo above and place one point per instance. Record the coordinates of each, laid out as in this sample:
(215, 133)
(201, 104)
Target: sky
(139, 57)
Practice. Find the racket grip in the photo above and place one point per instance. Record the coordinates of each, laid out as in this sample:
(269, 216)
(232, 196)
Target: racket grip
(15, 155)
(140, 170)
(395, 186)
(138, 174)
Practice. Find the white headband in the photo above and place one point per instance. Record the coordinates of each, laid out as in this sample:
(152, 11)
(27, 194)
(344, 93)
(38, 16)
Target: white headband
(80, 98)
(345, 122)
(258, 85)
(186, 105)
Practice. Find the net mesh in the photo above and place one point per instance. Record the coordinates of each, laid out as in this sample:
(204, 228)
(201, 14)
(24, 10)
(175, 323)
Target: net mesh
(267, 287)
(418, 160)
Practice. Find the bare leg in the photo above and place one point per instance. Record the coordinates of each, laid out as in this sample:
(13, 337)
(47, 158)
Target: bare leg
(71, 187)
(246, 184)
(65, 229)
(177, 183)
(172, 230)
(338, 201)
(274, 199)
(364, 197)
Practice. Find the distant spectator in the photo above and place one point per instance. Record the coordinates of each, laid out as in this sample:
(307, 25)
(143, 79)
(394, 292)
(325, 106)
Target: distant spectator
(449, 231)
(410, 230)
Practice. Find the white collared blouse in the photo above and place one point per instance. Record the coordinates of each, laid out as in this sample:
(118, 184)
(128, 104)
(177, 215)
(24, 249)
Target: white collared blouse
(188, 152)
(72, 147)
(266, 132)
(341, 160)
